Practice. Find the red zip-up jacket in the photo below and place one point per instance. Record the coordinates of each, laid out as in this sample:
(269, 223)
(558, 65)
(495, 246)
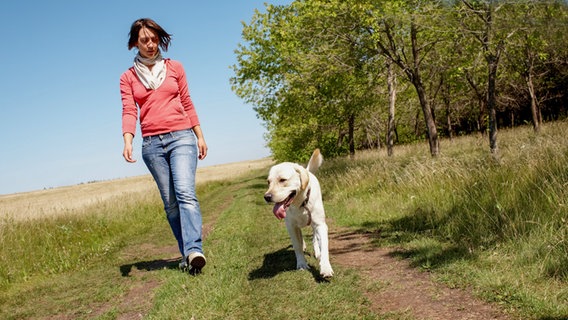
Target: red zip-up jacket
(165, 109)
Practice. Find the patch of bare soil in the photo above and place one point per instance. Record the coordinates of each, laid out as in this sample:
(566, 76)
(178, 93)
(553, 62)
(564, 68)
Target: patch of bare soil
(403, 289)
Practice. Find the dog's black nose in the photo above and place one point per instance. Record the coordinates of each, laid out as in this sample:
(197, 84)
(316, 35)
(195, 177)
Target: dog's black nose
(267, 197)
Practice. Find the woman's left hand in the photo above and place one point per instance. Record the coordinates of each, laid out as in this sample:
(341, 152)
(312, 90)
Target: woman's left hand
(201, 145)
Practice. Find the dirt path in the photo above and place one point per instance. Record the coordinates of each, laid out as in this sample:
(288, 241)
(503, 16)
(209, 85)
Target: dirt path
(392, 285)
(403, 289)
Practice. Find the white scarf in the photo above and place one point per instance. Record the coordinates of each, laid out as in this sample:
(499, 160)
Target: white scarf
(154, 78)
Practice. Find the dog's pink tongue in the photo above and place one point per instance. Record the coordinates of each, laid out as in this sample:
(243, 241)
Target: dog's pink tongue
(279, 211)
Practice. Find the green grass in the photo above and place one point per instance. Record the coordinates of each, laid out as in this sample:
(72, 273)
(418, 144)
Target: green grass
(497, 228)
(69, 264)
(73, 241)
(251, 274)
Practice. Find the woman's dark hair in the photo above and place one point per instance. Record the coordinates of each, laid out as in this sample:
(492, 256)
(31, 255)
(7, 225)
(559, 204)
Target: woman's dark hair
(165, 37)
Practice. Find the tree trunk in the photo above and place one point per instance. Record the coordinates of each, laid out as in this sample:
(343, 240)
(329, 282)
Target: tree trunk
(428, 117)
(492, 62)
(391, 82)
(492, 59)
(414, 74)
(535, 112)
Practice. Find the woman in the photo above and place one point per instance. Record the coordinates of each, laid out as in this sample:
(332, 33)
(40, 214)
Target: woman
(171, 133)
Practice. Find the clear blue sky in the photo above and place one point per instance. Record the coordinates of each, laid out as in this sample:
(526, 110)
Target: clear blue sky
(60, 106)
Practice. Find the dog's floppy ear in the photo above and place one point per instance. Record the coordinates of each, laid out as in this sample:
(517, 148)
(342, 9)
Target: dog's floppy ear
(304, 176)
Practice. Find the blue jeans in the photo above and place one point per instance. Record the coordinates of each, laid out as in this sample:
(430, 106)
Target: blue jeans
(172, 161)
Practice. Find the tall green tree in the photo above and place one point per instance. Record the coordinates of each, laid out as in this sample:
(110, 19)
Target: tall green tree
(532, 51)
(329, 73)
(481, 23)
(304, 70)
(406, 33)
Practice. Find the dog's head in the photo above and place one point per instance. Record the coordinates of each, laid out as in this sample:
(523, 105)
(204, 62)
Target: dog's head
(286, 184)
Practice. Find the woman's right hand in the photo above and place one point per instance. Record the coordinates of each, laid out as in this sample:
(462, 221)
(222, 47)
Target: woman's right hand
(127, 151)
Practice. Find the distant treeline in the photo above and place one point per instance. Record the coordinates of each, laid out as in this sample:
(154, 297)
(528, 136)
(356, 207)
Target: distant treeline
(345, 75)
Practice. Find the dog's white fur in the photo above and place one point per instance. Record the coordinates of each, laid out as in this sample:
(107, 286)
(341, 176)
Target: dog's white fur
(297, 191)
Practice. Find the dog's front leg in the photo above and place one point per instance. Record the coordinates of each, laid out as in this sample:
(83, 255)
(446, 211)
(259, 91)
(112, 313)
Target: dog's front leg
(298, 244)
(320, 232)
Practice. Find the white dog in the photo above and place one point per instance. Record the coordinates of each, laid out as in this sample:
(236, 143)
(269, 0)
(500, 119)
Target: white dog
(296, 192)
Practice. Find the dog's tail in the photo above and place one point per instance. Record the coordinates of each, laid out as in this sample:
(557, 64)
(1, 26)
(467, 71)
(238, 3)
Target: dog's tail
(315, 161)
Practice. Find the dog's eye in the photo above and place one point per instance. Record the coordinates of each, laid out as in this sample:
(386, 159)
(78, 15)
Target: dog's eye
(282, 180)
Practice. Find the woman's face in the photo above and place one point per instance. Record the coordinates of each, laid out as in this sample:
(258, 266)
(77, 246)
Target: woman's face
(148, 43)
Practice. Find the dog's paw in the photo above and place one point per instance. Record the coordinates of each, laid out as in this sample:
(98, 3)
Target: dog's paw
(326, 271)
(327, 274)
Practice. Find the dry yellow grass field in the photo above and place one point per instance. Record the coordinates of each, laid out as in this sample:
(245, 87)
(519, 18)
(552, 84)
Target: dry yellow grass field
(64, 200)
